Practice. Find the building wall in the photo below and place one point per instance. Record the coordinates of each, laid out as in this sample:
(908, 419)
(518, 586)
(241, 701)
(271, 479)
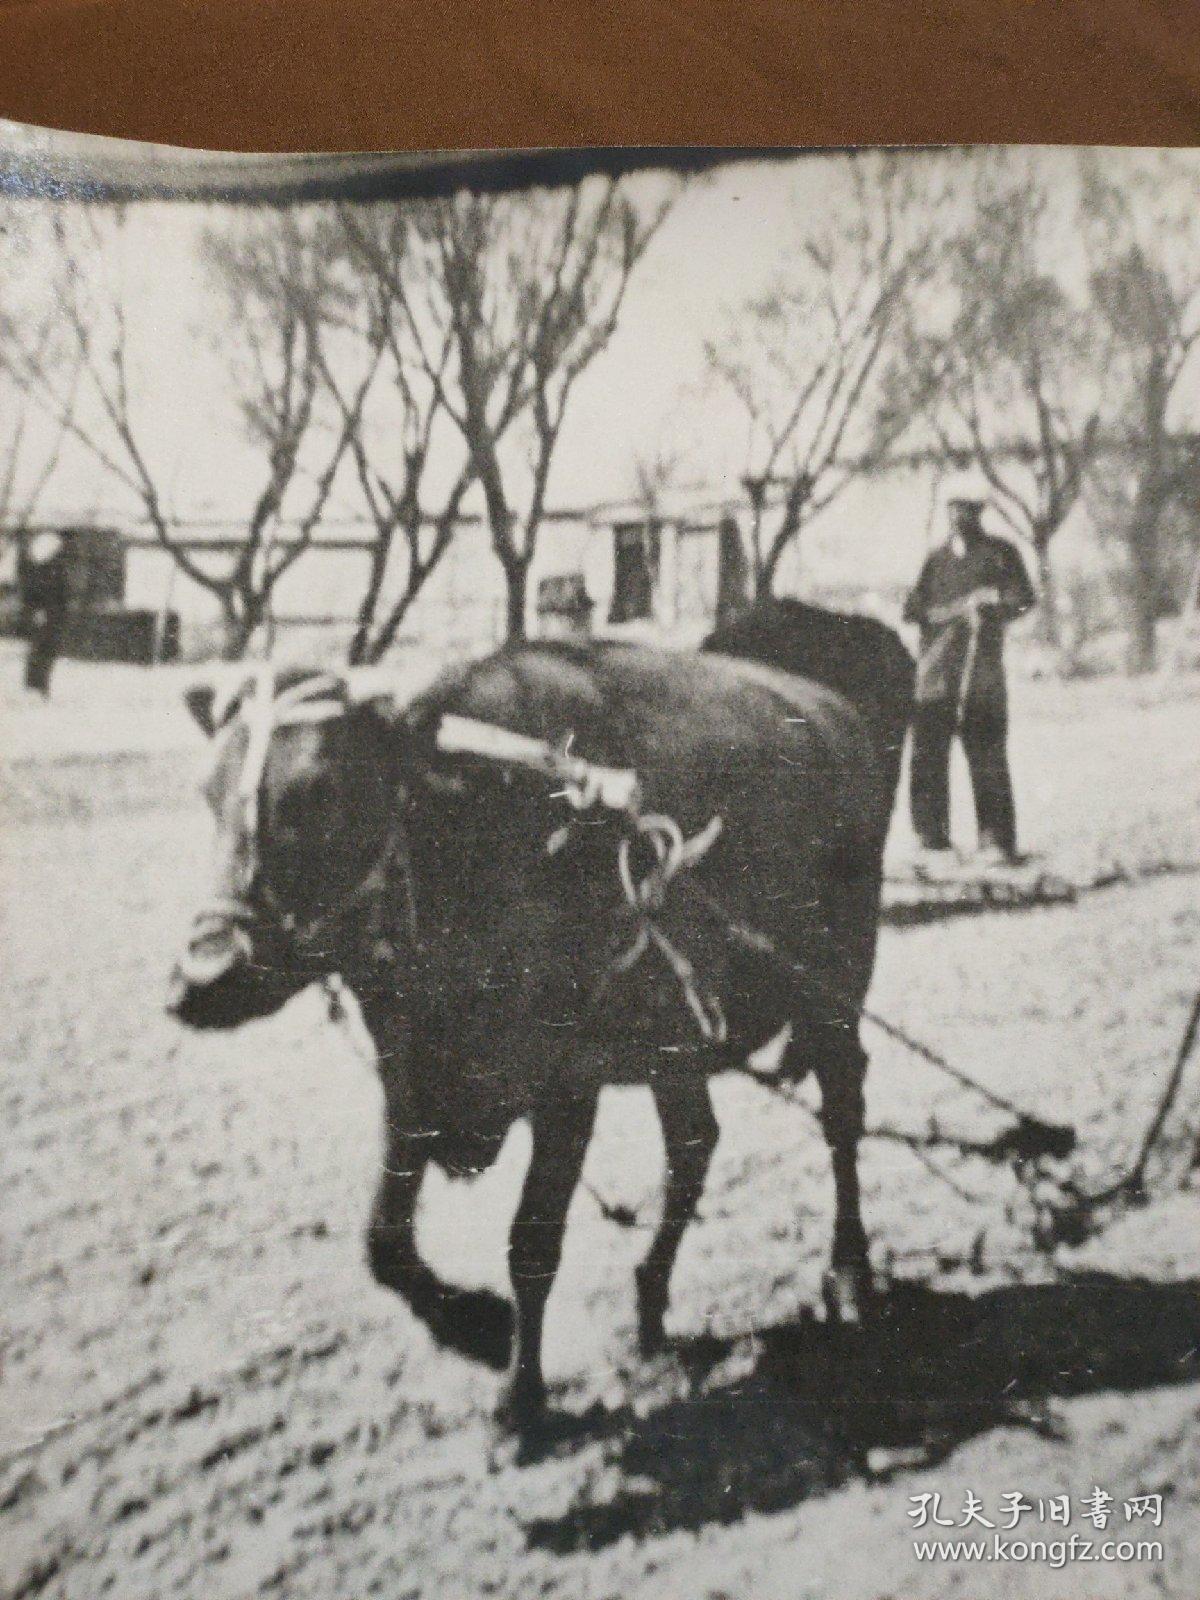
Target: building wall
(462, 603)
(862, 553)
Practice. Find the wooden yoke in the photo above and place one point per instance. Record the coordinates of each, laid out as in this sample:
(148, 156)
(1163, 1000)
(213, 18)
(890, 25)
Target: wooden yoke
(585, 784)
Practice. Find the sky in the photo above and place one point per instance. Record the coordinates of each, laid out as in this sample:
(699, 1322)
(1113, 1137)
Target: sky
(725, 237)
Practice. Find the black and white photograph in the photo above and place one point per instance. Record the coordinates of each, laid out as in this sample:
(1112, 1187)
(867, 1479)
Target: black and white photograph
(600, 788)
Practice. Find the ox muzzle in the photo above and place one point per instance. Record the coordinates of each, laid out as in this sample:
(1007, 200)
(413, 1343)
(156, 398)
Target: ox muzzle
(234, 969)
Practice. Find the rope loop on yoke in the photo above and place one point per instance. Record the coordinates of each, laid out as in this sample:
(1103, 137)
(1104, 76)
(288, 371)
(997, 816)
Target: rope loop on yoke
(673, 853)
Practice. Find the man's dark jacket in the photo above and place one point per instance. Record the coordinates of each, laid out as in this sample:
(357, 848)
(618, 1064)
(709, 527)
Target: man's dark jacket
(948, 650)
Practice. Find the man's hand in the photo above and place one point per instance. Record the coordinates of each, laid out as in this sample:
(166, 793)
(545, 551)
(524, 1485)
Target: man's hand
(973, 604)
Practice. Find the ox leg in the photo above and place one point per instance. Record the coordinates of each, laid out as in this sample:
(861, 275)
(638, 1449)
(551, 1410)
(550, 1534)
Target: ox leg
(561, 1130)
(474, 1322)
(690, 1132)
(841, 1067)
(391, 1241)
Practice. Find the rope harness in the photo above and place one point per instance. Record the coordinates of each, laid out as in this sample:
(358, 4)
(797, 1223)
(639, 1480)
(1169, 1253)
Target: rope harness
(1031, 1146)
(1063, 1211)
(585, 786)
(264, 710)
(645, 898)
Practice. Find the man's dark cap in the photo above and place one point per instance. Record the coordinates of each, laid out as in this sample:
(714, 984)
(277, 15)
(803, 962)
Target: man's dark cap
(565, 595)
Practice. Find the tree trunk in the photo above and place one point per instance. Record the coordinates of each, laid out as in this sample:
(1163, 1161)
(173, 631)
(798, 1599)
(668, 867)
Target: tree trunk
(1145, 582)
(1142, 654)
(765, 577)
(1048, 612)
(1142, 533)
(516, 575)
(758, 584)
(373, 650)
(232, 640)
(358, 653)
(360, 643)
(237, 626)
(786, 535)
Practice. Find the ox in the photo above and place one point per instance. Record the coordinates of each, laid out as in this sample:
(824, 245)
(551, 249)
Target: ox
(860, 658)
(500, 969)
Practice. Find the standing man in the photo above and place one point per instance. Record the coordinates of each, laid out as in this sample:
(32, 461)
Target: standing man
(969, 590)
(45, 598)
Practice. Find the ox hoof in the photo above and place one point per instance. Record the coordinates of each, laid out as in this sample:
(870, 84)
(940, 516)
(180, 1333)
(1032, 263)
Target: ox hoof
(477, 1324)
(848, 1294)
(510, 1446)
(651, 1309)
(528, 1431)
(472, 1322)
(521, 1426)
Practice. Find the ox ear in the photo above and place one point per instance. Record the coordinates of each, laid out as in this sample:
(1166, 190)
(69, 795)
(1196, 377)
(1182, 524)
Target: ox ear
(213, 699)
(200, 699)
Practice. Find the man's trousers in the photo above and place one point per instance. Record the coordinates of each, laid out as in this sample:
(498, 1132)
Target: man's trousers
(984, 735)
(45, 641)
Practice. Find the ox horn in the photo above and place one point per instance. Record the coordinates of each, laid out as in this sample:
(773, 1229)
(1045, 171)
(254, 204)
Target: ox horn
(400, 685)
(210, 698)
(371, 683)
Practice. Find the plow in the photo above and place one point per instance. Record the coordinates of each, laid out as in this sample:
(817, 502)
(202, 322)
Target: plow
(1064, 1209)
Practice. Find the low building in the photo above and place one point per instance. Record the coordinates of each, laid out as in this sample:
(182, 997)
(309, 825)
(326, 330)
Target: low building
(662, 572)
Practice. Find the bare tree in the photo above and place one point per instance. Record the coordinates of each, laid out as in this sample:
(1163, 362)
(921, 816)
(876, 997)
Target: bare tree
(30, 341)
(396, 445)
(997, 362)
(1144, 238)
(274, 292)
(507, 301)
(803, 358)
(654, 474)
(280, 290)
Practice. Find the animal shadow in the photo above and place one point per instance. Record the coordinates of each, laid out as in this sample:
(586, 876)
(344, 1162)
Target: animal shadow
(821, 1406)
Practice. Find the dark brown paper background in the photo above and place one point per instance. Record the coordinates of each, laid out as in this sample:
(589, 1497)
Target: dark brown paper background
(377, 74)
